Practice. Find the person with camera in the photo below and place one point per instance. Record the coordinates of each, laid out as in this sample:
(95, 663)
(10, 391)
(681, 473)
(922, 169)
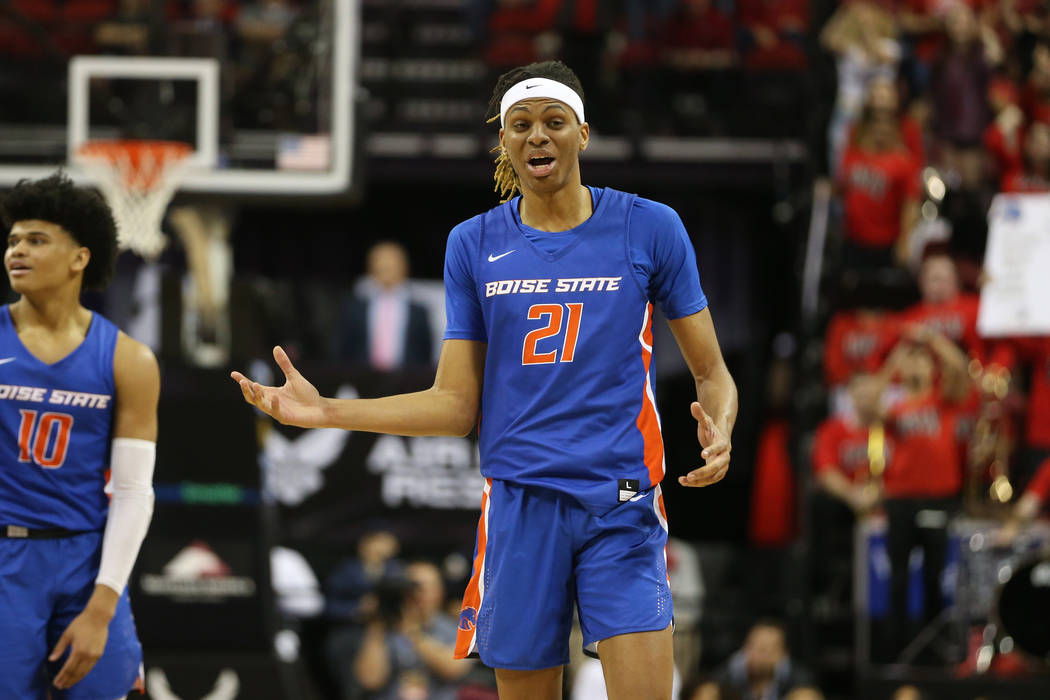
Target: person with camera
(408, 642)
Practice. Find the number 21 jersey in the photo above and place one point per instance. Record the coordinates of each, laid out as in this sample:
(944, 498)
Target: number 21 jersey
(568, 398)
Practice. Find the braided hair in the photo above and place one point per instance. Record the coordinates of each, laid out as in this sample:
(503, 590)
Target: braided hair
(507, 183)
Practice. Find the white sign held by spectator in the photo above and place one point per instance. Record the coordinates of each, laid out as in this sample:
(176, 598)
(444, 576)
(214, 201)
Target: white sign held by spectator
(1017, 266)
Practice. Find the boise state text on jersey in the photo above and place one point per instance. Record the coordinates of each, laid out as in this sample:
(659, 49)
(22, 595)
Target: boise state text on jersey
(568, 395)
(56, 422)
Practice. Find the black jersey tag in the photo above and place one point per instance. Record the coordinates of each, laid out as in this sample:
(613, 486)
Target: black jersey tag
(628, 489)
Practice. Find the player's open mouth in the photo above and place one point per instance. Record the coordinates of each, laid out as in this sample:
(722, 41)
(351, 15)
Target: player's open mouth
(541, 166)
(18, 269)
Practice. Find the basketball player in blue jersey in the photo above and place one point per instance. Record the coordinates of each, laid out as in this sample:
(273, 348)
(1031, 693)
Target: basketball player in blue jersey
(78, 398)
(548, 346)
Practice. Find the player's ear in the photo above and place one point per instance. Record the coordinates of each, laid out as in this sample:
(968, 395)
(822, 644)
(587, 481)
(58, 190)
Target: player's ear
(585, 135)
(501, 136)
(81, 259)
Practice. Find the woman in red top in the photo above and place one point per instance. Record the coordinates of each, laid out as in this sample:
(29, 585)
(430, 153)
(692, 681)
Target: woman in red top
(879, 182)
(924, 478)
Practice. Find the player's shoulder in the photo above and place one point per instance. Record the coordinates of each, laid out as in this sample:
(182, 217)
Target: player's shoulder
(650, 213)
(133, 360)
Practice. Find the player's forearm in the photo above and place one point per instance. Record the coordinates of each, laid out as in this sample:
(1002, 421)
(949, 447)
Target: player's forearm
(717, 395)
(430, 412)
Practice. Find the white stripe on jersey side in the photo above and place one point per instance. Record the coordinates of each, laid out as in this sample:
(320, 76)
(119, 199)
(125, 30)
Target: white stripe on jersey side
(657, 495)
(641, 333)
(649, 387)
(481, 574)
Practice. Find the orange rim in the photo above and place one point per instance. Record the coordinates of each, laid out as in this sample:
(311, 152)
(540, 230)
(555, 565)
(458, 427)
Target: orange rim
(140, 163)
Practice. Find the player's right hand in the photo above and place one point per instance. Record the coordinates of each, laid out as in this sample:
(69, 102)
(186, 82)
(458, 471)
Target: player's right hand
(295, 403)
(717, 447)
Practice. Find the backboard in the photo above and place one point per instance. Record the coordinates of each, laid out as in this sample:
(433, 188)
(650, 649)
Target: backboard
(266, 100)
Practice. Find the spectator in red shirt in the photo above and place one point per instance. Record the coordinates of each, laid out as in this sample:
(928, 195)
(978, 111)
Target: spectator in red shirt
(879, 182)
(943, 307)
(923, 481)
(856, 341)
(841, 458)
(1034, 176)
(845, 489)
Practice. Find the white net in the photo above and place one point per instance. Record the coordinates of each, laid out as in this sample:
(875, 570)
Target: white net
(138, 180)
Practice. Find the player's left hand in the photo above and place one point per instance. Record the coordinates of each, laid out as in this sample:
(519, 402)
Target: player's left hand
(717, 446)
(86, 639)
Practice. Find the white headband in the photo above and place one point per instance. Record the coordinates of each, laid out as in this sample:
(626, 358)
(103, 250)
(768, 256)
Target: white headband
(540, 87)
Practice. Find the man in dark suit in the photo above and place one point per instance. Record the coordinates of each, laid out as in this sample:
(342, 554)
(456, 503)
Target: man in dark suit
(381, 326)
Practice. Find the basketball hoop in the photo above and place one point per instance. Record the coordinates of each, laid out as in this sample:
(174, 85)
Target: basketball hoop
(138, 180)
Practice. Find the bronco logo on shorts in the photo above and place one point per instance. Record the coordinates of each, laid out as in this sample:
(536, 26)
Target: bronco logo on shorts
(467, 619)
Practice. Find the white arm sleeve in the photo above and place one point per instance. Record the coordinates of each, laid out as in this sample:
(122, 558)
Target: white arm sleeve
(130, 509)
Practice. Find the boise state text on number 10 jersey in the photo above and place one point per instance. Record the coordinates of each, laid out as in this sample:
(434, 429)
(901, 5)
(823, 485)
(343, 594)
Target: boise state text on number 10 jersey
(56, 422)
(568, 395)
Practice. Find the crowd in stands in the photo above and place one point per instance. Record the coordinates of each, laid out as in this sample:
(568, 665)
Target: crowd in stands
(940, 106)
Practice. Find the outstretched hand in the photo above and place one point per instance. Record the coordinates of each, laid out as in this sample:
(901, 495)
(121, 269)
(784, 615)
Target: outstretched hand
(295, 403)
(716, 448)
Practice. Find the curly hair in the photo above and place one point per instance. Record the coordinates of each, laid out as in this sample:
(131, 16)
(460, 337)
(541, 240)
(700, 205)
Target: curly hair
(81, 212)
(507, 183)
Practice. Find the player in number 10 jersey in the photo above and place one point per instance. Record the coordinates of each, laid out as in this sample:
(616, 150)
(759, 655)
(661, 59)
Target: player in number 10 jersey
(549, 300)
(78, 399)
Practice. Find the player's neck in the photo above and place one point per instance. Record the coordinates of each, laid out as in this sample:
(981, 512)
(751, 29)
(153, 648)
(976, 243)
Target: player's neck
(560, 210)
(55, 312)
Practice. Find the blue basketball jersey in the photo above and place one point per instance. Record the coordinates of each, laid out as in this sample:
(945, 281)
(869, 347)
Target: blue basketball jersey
(56, 422)
(568, 389)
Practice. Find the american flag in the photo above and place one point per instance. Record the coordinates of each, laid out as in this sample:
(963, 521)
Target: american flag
(304, 151)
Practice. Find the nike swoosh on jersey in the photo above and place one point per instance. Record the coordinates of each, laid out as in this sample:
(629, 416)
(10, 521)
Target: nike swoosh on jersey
(7, 359)
(494, 258)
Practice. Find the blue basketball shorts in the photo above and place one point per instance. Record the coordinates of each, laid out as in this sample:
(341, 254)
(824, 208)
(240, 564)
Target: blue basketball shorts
(540, 551)
(44, 584)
